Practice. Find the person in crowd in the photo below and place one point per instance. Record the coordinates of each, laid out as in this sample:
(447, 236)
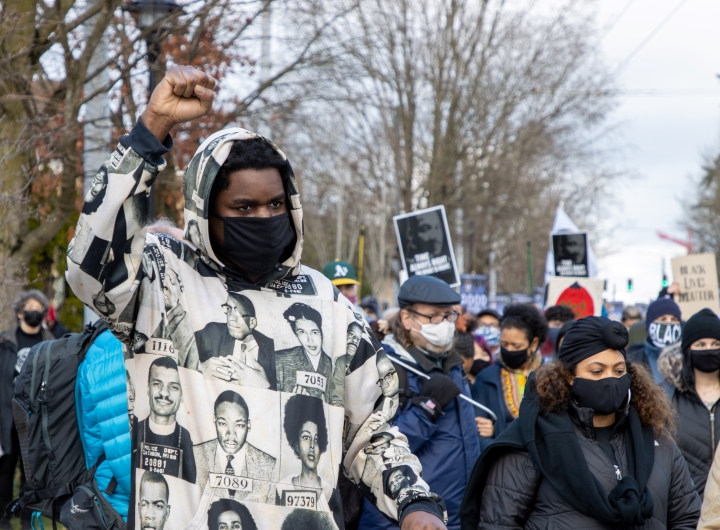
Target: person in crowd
(630, 315)
(556, 316)
(502, 386)
(663, 329)
(30, 308)
(369, 304)
(439, 426)
(488, 327)
(591, 449)
(56, 327)
(475, 358)
(241, 198)
(692, 369)
(343, 276)
(561, 335)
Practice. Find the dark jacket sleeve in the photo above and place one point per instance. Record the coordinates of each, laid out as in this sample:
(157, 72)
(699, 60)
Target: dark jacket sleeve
(684, 503)
(509, 493)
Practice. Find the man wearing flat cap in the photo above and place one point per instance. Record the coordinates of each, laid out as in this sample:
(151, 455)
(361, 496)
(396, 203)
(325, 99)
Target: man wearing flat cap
(440, 426)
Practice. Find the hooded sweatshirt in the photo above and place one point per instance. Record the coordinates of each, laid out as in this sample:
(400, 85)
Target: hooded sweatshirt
(236, 399)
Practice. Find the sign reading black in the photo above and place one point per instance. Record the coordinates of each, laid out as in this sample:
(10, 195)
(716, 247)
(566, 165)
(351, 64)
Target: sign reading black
(425, 246)
(570, 251)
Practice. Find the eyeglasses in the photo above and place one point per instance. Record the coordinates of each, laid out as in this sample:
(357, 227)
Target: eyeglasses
(436, 319)
(387, 379)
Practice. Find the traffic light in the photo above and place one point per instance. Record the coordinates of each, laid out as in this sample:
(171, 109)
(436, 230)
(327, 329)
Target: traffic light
(665, 281)
(630, 285)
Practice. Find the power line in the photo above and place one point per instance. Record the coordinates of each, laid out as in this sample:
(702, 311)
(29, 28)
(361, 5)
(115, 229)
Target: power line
(647, 39)
(614, 22)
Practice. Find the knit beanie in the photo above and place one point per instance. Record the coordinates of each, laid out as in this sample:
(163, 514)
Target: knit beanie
(660, 307)
(702, 325)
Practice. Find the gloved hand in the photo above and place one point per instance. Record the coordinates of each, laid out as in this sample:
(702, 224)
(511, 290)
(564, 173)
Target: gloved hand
(437, 392)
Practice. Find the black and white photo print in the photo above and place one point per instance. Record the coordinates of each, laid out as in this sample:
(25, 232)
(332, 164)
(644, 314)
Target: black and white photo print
(230, 465)
(165, 446)
(306, 368)
(235, 351)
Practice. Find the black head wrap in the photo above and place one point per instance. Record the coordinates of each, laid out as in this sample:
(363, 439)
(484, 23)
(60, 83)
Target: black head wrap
(591, 335)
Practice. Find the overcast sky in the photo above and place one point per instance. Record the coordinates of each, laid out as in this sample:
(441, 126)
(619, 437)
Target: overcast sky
(662, 137)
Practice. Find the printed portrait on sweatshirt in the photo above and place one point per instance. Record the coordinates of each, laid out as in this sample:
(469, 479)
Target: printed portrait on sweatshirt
(96, 192)
(305, 368)
(371, 479)
(235, 351)
(163, 502)
(154, 501)
(80, 244)
(195, 237)
(306, 432)
(400, 481)
(132, 419)
(165, 446)
(389, 384)
(229, 514)
(174, 334)
(102, 304)
(229, 464)
(301, 519)
(342, 363)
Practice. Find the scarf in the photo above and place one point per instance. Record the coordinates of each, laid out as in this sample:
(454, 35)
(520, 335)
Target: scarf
(513, 384)
(553, 444)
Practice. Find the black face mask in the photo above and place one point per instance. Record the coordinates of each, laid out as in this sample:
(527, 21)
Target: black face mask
(514, 359)
(478, 366)
(604, 396)
(256, 243)
(33, 318)
(705, 360)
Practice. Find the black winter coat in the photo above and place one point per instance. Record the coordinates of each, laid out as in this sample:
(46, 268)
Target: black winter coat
(517, 496)
(698, 430)
(698, 434)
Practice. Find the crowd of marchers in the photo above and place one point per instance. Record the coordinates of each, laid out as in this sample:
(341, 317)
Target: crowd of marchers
(228, 386)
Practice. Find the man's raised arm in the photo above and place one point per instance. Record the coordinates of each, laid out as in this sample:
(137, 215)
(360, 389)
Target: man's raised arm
(105, 256)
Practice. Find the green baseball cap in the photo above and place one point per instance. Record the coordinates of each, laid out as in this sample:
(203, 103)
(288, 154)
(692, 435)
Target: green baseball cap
(341, 273)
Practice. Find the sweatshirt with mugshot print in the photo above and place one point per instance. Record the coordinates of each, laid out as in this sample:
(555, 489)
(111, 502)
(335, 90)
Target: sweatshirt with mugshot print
(268, 419)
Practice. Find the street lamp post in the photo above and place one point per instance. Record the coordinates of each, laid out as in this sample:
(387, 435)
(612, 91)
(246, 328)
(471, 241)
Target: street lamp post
(153, 18)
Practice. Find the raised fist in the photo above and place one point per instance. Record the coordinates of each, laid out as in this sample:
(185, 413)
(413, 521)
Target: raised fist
(184, 94)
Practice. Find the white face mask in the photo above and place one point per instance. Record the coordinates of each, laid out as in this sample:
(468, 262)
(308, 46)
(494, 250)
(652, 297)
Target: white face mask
(439, 335)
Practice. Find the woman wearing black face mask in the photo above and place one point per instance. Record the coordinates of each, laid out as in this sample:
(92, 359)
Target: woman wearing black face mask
(692, 370)
(591, 448)
(501, 387)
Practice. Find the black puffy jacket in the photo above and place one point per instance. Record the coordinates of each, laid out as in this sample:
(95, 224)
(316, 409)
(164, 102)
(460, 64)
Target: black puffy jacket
(698, 430)
(515, 494)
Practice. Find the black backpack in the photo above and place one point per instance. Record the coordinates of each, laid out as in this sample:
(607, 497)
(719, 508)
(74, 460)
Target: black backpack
(58, 483)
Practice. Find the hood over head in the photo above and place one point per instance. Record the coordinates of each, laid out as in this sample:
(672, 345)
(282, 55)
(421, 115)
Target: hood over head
(197, 185)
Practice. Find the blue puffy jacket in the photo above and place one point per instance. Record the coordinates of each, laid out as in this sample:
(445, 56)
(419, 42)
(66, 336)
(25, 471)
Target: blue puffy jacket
(488, 391)
(102, 411)
(447, 449)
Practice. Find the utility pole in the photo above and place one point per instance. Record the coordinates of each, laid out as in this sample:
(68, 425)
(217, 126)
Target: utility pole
(339, 221)
(531, 286)
(96, 127)
(264, 128)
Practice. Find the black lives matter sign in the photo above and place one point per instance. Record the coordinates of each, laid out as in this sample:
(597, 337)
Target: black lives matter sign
(425, 244)
(697, 276)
